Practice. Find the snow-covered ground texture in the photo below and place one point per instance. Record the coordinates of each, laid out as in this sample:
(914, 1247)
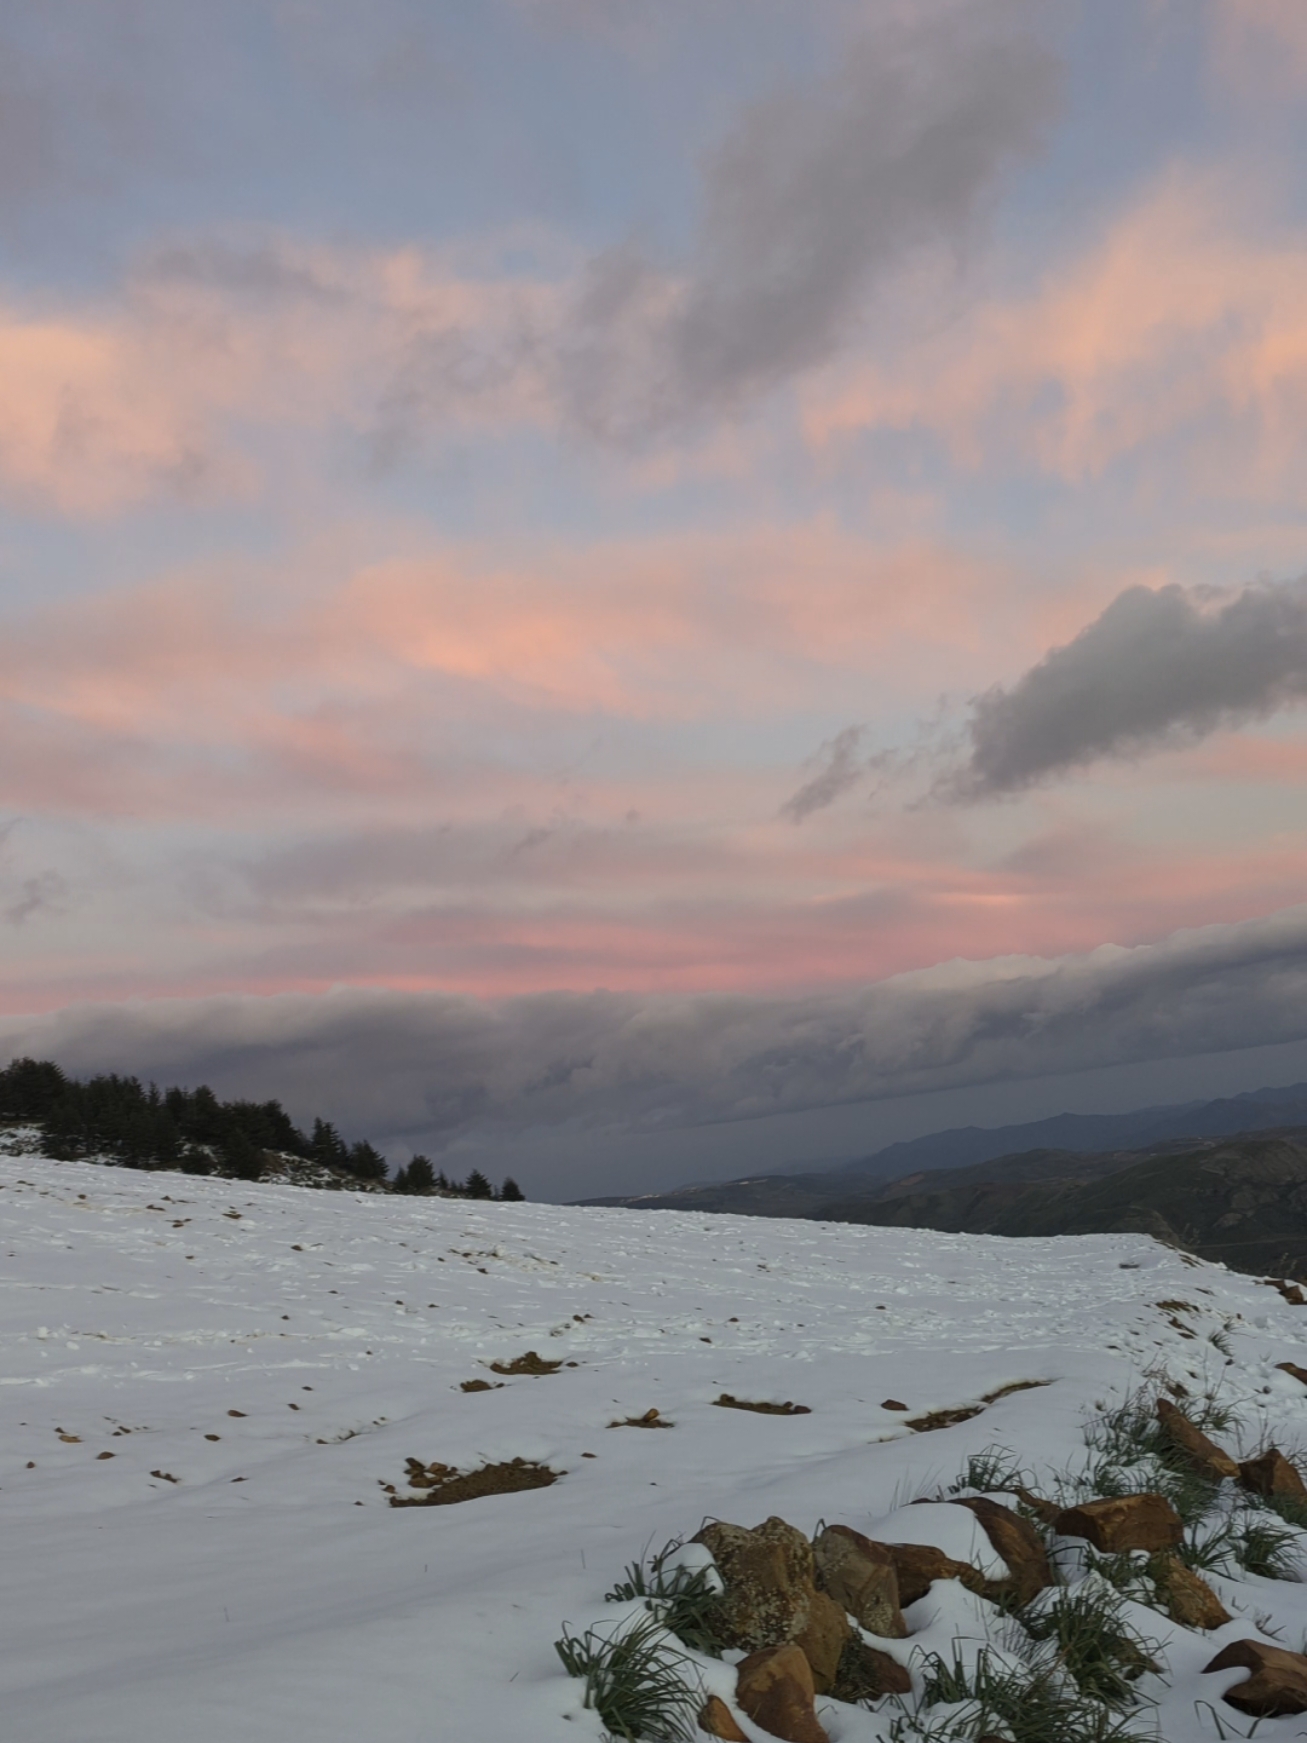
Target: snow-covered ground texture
(260, 1360)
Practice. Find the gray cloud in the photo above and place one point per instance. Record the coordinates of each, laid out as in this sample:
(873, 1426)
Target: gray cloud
(434, 1069)
(838, 767)
(1156, 669)
(815, 195)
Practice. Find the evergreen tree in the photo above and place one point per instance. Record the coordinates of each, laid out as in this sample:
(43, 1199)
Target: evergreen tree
(510, 1192)
(241, 1156)
(327, 1146)
(418, 1179)
(364, 1162)
(478, 1186)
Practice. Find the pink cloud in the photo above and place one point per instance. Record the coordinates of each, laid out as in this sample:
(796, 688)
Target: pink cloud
(1180, 336)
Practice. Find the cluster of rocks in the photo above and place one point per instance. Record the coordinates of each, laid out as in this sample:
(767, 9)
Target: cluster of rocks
(800, 1609)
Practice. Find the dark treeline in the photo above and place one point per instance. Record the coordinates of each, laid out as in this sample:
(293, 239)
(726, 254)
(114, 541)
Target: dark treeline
(141, 1126)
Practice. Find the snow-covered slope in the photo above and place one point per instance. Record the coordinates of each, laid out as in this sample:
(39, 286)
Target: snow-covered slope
(279, 1353)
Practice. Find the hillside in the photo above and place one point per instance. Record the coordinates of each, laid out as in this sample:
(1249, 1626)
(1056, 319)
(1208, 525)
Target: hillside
(1240, 1200)
(820, 1192)
(208, 1386)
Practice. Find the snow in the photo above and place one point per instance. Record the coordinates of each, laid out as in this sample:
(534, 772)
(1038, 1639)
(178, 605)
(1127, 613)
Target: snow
(271, 1593)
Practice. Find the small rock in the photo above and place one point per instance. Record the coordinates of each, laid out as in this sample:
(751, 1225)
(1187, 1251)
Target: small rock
(1199, 1453)
(1272, 1474)
(866, 1674)
(919, 1565)
(1278, 1683)
(1293, 1368)
(860, 1575)
(1126, 1522)
(715, 1721)
(1187, 1597)
(1020, 1545)
(892, 1404)
(775, 1689)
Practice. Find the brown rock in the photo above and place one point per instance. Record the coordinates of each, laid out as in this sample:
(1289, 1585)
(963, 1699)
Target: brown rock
(1045, 1510)
(1020, 1545)
(775, 1689)
(1272, 1474)
(859, 1574)
(715, 1721)
(919, 1565)
(1278, 1683)
(823, 1638)
(1126, 1522)
(866, 1674)
(1198, 1452)
(768, 1579)
(1293, 1368)
(1186, 1596)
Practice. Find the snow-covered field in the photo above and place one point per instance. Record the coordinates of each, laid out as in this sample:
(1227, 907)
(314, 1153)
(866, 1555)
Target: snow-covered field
(279, 1353)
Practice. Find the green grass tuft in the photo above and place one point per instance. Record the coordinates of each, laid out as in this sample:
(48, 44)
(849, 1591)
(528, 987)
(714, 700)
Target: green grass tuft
(634, 1681)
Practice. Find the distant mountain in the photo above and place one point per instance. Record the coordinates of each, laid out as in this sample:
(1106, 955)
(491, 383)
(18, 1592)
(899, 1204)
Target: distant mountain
(814, 1194)
(1240, 1199)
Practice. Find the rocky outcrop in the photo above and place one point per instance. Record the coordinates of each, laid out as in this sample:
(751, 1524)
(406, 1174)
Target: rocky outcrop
(770, 1596)
(865, 1673)
(859, 1575)
(1147, 1522)
(775, 1689)
(1277, 1683)
(1190, 1443)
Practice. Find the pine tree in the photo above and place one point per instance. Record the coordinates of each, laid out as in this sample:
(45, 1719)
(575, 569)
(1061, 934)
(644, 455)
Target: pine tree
(510, 1192)
(478, 1186)
(364, 1162)
(242, 1158)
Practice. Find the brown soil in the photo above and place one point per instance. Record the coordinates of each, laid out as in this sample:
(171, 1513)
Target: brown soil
(650, 1419)
(530, 1363)
(446, 1487)
(964, 1412)
(727, 1402)
(481, 1386)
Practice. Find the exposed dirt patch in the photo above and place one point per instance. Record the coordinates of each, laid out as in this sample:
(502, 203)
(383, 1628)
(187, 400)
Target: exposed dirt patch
(650, 1419)
(481, 1386)
(530, 1363)
(964, 1412)
(446, 1487)
(727, 1402)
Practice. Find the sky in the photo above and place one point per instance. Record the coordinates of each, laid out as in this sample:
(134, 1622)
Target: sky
(645, 591)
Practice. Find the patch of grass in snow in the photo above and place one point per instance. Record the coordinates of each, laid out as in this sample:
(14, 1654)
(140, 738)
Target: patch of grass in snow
(683, 1600)
(637, 1683)
(993, 1471)
(1030, 1703)
(1093, 1643)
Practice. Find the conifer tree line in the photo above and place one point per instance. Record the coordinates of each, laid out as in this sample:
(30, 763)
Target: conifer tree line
(136, 1125)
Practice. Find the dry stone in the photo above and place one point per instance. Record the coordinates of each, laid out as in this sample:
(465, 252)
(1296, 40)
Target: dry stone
(716, 1720)
(1187, 1597)
(1278, 1683)
(1189, 1441)
(822, 1639)
(1147, 1522)
(859, 1574)
(1298, 1373)
(919, 1565)
(865, 1673)
(775, 1689)
(1272, 1474)
(768, 1579)
(1020, 1545)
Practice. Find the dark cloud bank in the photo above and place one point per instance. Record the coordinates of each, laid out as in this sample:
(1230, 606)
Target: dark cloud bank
(1156, 669)
(432, 1069)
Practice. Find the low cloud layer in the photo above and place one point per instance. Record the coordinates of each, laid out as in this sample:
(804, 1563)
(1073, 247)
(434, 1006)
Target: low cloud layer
(432, 1069)
(1156, 669)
